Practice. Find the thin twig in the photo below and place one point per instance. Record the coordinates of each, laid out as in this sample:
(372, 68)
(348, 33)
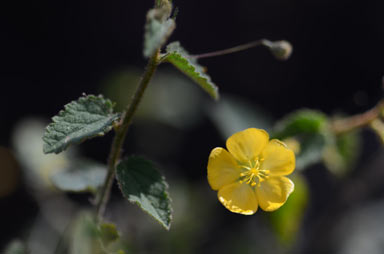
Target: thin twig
(231, 50)
(360, 120)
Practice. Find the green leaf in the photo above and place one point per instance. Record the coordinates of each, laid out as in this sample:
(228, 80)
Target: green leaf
(81, 176)
(310, 129)
(301, 121)
(87, 236)
(90, 116)
(341, 155)
(311, 149)
(141, 183)
(157, 29)
(84, 236)
(15, 247)
(180, 58)
(287, 220)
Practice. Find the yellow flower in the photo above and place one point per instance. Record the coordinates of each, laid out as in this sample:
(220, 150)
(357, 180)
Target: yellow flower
(252, 173)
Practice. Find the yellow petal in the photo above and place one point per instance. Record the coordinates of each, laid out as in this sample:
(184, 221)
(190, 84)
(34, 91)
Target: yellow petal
(222, 168)
(246, 145)
(238, 198)
(273, 192)
(278, 158)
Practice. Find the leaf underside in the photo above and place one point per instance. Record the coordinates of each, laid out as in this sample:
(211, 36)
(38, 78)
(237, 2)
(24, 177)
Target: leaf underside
(141, 183)
(82, 176)
(88, 117)
(180, 58)
(156, 34)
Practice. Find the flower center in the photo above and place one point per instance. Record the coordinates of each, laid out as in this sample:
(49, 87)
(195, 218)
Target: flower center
(252, 174)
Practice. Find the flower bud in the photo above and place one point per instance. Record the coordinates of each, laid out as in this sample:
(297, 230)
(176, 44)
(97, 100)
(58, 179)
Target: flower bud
(282, 50)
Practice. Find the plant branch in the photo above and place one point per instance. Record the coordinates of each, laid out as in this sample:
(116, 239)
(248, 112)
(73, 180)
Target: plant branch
(360, 120)
(121, 133)
(232, 50)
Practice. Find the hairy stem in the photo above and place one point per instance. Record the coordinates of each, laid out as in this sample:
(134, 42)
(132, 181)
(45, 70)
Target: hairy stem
(360, 120)
(121, 133)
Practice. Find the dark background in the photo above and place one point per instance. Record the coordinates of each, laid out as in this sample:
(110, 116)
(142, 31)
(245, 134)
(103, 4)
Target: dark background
(53, 51)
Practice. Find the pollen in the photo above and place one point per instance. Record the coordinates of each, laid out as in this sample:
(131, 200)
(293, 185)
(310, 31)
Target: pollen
(252, 173)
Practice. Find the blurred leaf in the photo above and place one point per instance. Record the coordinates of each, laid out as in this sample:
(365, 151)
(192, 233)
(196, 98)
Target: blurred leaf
(301, 121)
(311, 149)
(87, 237)
(171, 99)
(84, 236)
(81, 176)
(157, 29)
(109, 233)
(286, 221)
(88, 117)
(341, 155)
(141, 183)
(37, 167)
(180, 58)
(310, 129)
(16, 247)
(232, 114)
(120, 86)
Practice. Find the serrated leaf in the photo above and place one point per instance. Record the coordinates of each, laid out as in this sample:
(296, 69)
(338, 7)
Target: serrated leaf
(81, 176)
(310, 129)
(15, 247)
(180, 58)
(157, 29)
(88, 117)
(141, 183)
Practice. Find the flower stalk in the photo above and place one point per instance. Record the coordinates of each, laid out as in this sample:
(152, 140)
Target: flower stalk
(280, 49)
(351, 123)
(121, 132)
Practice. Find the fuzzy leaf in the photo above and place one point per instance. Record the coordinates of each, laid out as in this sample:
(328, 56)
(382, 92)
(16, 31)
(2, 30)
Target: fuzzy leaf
(157, 29)
(90, 116)
(81, 176)
(141, 183)
(180, 58)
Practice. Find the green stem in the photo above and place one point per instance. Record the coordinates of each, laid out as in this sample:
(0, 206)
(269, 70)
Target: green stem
(360, 120)
(121, 133)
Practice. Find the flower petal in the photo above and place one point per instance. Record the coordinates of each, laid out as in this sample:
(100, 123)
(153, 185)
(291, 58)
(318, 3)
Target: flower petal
(246, 145)
(273, 192)
(278, 158)
(222, 168)
(238, 198)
